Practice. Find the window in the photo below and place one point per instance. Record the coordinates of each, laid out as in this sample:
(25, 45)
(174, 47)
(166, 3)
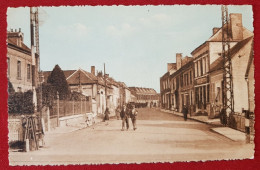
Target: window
(18, 69)
(201, 67)
(187, 79)
(190, 77)
(204, 65)
(8, 66)
(195, 66)
(28, 71)
(208, 93)
(181, 80)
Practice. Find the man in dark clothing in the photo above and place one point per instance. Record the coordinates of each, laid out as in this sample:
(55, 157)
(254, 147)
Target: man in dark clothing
(124, 116)
(223, 117)
(185, 112)
(133, 116)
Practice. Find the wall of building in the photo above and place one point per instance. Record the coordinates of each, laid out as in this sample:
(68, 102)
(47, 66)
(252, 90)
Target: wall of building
(127, 95)
(239, 66)
(251, 88)
(215, 49)
(216, 93)
(21, 83)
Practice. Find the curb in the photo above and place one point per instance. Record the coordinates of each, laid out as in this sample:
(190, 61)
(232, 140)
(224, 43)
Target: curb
(223, 135)
(208, 123)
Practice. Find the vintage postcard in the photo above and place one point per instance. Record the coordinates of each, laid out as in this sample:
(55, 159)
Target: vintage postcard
(130, 84)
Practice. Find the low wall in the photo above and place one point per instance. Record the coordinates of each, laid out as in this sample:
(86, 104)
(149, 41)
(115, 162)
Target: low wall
(74, 120)
(53, 122)
(15, 130)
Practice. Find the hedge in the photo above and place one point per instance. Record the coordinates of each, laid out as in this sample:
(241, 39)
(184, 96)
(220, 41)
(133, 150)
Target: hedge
(20, 103)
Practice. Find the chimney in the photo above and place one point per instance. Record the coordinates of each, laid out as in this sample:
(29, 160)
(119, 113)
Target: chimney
(93, 70)
(236, 26)
(16, 37)
(215, 30)
(169, 66)
(178, 60)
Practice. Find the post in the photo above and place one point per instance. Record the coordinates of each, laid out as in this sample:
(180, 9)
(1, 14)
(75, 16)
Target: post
(105, 84)
(80, 104)
(247, 127)
(73, 106)
(85, 105)
(58, 110)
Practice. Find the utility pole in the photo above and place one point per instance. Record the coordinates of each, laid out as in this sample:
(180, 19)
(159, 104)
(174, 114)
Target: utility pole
(228, 99)
(105, 84)
(34, 70)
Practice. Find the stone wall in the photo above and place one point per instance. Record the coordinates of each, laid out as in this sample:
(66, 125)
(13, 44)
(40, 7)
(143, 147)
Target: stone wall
(15, 130)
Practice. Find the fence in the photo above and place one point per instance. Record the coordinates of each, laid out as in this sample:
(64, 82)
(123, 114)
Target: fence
(237, 121)
(68, 108)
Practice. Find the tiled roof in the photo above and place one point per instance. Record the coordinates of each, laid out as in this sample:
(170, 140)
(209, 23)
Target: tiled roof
(143, 90)
(218, 64)
(23, 46)
(183, 68)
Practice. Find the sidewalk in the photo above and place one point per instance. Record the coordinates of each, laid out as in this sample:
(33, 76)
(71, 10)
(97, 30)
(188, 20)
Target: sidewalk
(203, 119)
(72, 128)
(230, 133)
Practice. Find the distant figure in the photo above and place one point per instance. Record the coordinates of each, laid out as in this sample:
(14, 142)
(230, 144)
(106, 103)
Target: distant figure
(106, 114)
(185, 112)
(118, 109)
(133, 117)
(223, 117)
(124, 117)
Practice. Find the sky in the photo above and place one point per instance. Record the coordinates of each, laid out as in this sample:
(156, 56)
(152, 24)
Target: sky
(135, 42)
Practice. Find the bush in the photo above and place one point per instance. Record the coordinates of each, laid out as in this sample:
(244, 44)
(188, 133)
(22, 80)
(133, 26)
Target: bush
(48, 94)
(76, 96)
(19, 102)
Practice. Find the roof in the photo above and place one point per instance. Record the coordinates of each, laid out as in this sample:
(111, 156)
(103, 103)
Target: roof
(23, 47)
(250, 61)
(217, 37)
(183, 68)
(142, 90)
(218, 64)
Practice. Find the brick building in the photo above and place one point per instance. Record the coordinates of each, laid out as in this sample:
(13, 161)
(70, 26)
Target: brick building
(145, 96)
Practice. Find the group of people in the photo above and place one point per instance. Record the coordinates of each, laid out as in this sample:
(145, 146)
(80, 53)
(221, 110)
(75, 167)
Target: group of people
(125, 113)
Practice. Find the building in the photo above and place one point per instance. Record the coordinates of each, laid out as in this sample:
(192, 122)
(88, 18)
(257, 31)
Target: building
(243, 79)
(198, 81)
(145, 96)
(177, 84)
(125, 94)
(19, 62)
(103, 91)
(206, 54)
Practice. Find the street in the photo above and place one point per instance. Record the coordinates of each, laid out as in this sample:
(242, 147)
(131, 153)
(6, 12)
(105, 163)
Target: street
(160, 137)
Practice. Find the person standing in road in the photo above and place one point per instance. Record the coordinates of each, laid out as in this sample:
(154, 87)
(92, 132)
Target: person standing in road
(185, 112)
(124, 117)
(133, 117)
(106, 115)
(118, 109)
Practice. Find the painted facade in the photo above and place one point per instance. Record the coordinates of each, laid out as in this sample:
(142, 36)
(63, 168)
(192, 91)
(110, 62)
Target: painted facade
(19, 62)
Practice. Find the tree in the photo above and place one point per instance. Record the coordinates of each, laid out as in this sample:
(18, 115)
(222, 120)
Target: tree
(58, 81)
(10, 87)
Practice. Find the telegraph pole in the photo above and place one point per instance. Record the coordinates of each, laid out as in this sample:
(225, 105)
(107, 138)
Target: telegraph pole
(228, 102)
(34, 70)
(105, 84)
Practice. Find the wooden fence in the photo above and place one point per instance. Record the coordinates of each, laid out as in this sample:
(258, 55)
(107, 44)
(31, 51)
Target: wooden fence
(68, 108)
